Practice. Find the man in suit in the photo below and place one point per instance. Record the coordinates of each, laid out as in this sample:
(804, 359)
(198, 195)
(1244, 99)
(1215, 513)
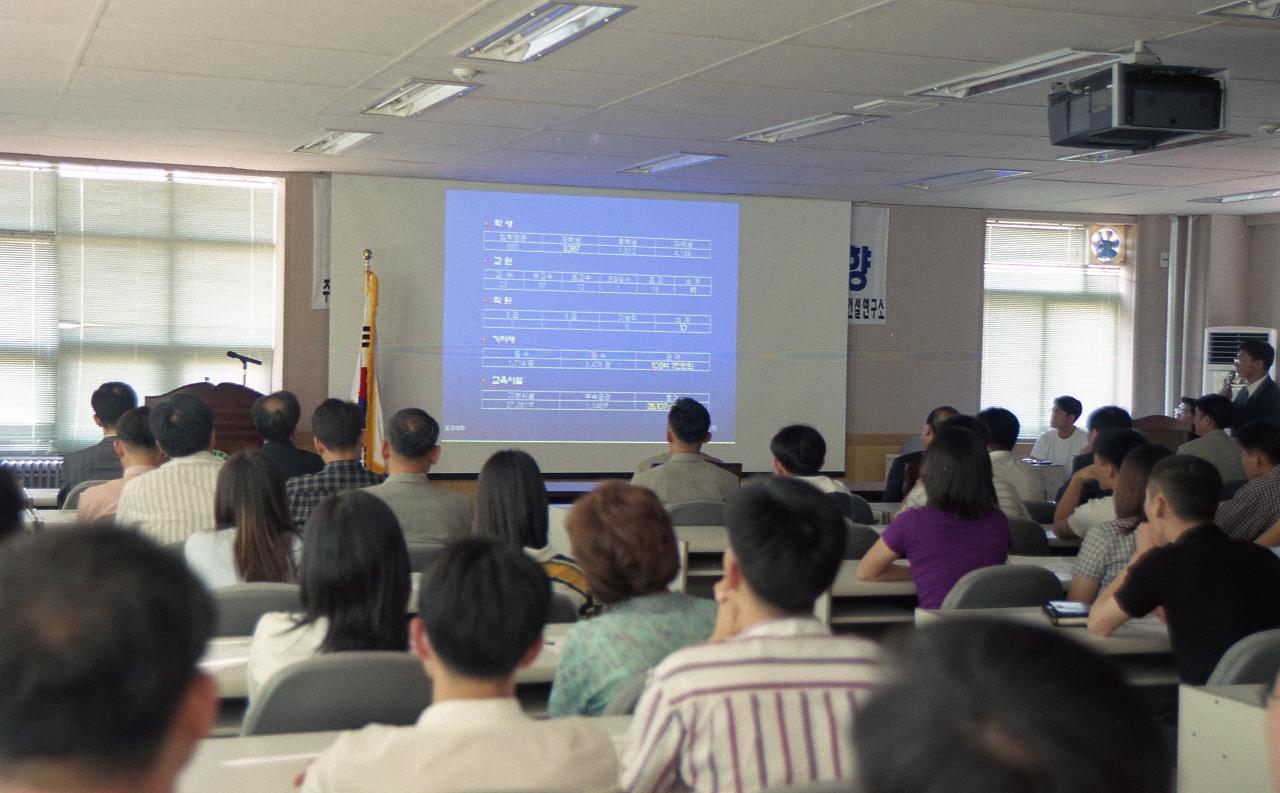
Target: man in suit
(427, 512)
(275, 417)
(896, 485)
(1212, 416)
(99, 461)
(339, 440)
(1260, 399)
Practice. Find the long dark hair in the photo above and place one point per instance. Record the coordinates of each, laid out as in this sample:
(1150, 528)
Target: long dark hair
(251, 497)
(1131, 486)
(355, 574)
(511, 500)
(957, 474)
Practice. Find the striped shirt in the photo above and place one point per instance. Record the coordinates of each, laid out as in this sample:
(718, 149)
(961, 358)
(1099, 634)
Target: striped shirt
(174, 501)
(773, 706)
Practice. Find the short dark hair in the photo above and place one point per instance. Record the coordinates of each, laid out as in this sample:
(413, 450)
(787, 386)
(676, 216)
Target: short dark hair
(1258, 350)
(939, 415)
(100, 632)
(621, 537)
(276, 416)
(957, 473)
(800, 448)
(337, 423)
(412, 433)
(788, 538)
(982, 705)
(182, 424)
(111, 400)
(1192, 486)
(1217, 408)
(1110, 417)
(1114, 445)
(134, 429)
(689, 420)
(483, 605)
(1131, 486)
(511, 500)
(1191, 402)
(1260, 435)
(1003, 427)
(1069, 405)
(970, 423)
(12, 504)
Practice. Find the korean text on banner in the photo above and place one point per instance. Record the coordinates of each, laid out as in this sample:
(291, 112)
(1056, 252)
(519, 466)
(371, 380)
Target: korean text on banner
(868, 254)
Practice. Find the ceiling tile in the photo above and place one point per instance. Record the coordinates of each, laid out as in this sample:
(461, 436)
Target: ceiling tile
(197, 91)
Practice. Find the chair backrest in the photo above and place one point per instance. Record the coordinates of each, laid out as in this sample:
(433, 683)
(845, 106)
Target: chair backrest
(859, 540)
(1004, 585)
(844, 501)
(860, 510)
(562, 609)
(422, 554)
(697, 513)
(340, 691)
(1040, 511)
(625, 698)
(240, 605)
(681, 582)
(910, 475)
(1027, 538)
(1253, 659)
(73, 495)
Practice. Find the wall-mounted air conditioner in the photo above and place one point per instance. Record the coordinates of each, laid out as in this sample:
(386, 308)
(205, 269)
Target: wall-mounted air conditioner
(1220, 346)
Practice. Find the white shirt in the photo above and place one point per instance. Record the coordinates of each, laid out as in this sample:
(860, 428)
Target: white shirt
(469, 746)
(825, 483)
(211, 556)
(1020, 476)
(1060, 451)
(173, 501)
(1092, 513)
(277, 643)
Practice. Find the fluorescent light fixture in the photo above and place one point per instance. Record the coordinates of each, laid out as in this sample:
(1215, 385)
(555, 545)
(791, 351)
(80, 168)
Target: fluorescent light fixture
(669, 163)
(1255, 195)
(334, 141)
(893, 107)
(962, 178)
(544, 29)
(1254, 9)
(807, 127)
(1058, 63)
(416, 96)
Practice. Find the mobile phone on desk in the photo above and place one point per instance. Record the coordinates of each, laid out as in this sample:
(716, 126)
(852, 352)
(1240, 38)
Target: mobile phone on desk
(1067, 612)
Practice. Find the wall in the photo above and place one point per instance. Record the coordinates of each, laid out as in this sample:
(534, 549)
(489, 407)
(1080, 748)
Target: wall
(1263, 282)
(305, 342)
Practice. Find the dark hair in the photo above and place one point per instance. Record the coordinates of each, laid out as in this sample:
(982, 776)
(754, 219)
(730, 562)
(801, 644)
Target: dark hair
(100, 632)
(957, 473)
(1260, 435)
(789, 539)
(1131, 485)
(483, 605)
(355, 573)
(800, 448)
(1069, 405)
(1110, 417)
(622, 539)
(511, 500)
(182, 424)
(1218, 408)
(1192, 486)
(275, 416)
(337, 424)
(250, 496)
(970, 423)
(1113, 445)
(1191, 402)
(134, 429)
(939, 415)
(412, 433)
(1258, 350)
(982, 705)
(111, 400)
(689, 420)
(12, 504)
(1003, 427)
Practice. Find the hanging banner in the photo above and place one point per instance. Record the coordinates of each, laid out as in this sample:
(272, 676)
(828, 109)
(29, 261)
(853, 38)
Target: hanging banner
(868, 253)
(320, 202)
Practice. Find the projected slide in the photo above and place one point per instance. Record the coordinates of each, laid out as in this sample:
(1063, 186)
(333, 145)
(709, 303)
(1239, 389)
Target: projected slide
(576, 318)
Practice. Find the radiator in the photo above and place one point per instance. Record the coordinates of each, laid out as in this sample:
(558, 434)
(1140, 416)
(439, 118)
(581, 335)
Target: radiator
(36, 472)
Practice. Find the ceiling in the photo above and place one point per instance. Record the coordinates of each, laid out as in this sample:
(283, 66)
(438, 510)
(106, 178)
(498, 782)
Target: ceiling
(239, 83)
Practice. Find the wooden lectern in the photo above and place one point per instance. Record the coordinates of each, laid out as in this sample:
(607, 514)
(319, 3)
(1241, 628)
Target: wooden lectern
(232, 420)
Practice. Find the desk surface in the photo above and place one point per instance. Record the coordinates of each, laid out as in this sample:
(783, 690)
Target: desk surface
(43, 497)
(1221, 742)
(54, 518)
(1147, 636)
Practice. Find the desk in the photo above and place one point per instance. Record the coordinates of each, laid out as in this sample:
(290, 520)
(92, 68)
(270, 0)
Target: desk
(54, 518)
(1221, 745)
(1050, 476)
(43, 497)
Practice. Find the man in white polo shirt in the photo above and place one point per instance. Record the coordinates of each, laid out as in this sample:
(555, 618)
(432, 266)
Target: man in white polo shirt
(1064, 440)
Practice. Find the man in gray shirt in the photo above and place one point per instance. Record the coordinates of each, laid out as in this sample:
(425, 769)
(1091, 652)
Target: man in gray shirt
(687, 475)
(427, 512)
(1213, 415)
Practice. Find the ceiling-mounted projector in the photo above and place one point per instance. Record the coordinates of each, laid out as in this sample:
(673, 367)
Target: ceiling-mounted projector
(1137, 106)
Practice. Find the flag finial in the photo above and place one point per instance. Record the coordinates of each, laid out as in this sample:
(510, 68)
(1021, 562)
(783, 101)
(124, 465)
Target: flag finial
(367, 255)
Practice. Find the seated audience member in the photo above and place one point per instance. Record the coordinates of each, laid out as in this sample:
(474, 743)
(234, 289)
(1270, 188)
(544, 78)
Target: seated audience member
(1252, 513)
(355, 584)
(1186, 412)
(896, 485)
(176, 499)
(136, 447)
(799, 451)
(1107, 547)
(1073, 517)
(1004, 427)
(622, 537)
(339, 434)
(482, 608)
(1213, 415)
(100, 632)
(959, 530)
(1063, 440)
(275, 417)
(1006, 495)
(1260, 398)
(983, 705)
(427, 512)
(255, 540)
(13, 505)
(659, 459)
(1104, 418)
(687, 475)
(773, 663)
(1214, 590)
(99, 461)
(511, 504)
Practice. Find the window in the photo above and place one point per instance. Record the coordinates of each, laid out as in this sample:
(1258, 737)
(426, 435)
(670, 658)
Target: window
(1052, 321)
(141, 275)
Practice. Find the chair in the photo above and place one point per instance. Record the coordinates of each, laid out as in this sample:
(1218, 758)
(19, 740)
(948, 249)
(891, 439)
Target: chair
(73, 495)
(1003, 586)
(858, 540)
(562, 609)
(697, 513)
(340, 691)
(681, 582)
(1253, 659)
(421, 554)
(1040, 511)
(854, 507)
(239, 606)
(1027, 538)
(1230, 487)
(625, 698)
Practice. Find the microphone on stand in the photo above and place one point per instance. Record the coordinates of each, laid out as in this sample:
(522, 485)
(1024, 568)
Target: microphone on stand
(244, 365)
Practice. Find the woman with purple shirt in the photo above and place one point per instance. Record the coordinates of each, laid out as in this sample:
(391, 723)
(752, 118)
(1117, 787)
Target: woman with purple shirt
(959, 530)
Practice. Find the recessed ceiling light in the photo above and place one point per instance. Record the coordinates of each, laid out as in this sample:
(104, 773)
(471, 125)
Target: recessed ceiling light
(416, 96)
(1254, 195)
(335, 141)
(962, 178)
(1255, 9)
(807, 127)
(1058, 63)
(670, 163)
(542, 30)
